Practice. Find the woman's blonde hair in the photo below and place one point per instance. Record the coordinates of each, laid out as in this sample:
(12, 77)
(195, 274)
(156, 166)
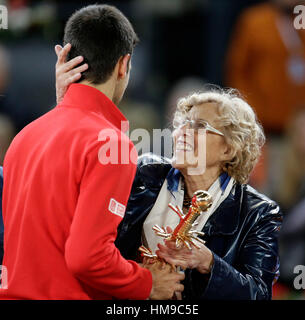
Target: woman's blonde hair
(242, 131)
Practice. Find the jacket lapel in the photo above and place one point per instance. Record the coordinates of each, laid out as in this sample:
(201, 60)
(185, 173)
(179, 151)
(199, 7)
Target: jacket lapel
(225, 219)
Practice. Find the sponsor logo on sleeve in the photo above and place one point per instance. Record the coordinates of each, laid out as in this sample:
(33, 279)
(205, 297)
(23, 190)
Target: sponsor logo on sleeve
(116, 208)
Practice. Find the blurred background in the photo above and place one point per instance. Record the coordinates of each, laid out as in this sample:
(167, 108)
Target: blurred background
(250, 45)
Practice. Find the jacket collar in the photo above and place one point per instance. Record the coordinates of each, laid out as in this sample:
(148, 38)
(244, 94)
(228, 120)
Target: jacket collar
(174, 175)
(90, 99)
(173, 179)
(224, 220)
(153, 171)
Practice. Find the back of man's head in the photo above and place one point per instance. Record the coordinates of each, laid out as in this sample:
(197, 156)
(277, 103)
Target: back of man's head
(101, 34)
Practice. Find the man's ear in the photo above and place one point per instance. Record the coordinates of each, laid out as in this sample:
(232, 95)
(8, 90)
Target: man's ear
(123, 66)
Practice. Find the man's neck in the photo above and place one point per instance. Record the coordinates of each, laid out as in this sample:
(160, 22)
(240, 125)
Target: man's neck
(106, 88)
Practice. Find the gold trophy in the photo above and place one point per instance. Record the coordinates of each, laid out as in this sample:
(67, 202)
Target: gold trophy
(184, 233)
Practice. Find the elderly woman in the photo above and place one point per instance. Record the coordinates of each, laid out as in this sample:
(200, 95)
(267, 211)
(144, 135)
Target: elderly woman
(239, 259)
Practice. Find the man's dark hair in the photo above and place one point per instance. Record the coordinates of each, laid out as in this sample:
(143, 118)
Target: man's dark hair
(101, 34)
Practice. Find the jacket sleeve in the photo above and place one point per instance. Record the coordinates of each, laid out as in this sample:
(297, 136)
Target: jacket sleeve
(255, 269)
(90, 253)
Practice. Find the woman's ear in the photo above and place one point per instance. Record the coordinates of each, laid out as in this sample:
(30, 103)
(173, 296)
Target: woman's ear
(228, 153)
(124, 65)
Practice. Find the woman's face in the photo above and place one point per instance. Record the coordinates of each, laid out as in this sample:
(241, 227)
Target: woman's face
(203, 149)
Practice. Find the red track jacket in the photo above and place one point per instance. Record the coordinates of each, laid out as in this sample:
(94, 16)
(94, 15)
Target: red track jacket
(62, 206)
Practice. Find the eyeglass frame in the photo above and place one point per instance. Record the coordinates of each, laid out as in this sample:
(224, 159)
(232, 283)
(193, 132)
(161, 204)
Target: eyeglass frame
(207, 127)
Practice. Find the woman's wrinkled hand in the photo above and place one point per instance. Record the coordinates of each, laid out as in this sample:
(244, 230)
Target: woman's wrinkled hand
(66, 72)
(201, 259)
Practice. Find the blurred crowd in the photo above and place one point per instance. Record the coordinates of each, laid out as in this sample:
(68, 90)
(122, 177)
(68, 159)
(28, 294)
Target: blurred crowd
(250, 45)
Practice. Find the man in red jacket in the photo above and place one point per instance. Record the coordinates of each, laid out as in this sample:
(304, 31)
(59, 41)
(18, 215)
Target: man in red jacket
(63, 195)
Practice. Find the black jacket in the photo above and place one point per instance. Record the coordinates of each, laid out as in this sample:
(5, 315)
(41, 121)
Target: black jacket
(242, 234)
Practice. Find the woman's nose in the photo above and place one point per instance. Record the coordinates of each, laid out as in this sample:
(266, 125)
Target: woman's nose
(186, 130)
(182, 132)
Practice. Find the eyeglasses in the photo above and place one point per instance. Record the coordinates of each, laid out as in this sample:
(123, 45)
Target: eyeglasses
(195, 125)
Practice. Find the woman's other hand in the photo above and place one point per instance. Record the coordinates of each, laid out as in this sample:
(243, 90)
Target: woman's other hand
(66, 72)
(201, 259)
